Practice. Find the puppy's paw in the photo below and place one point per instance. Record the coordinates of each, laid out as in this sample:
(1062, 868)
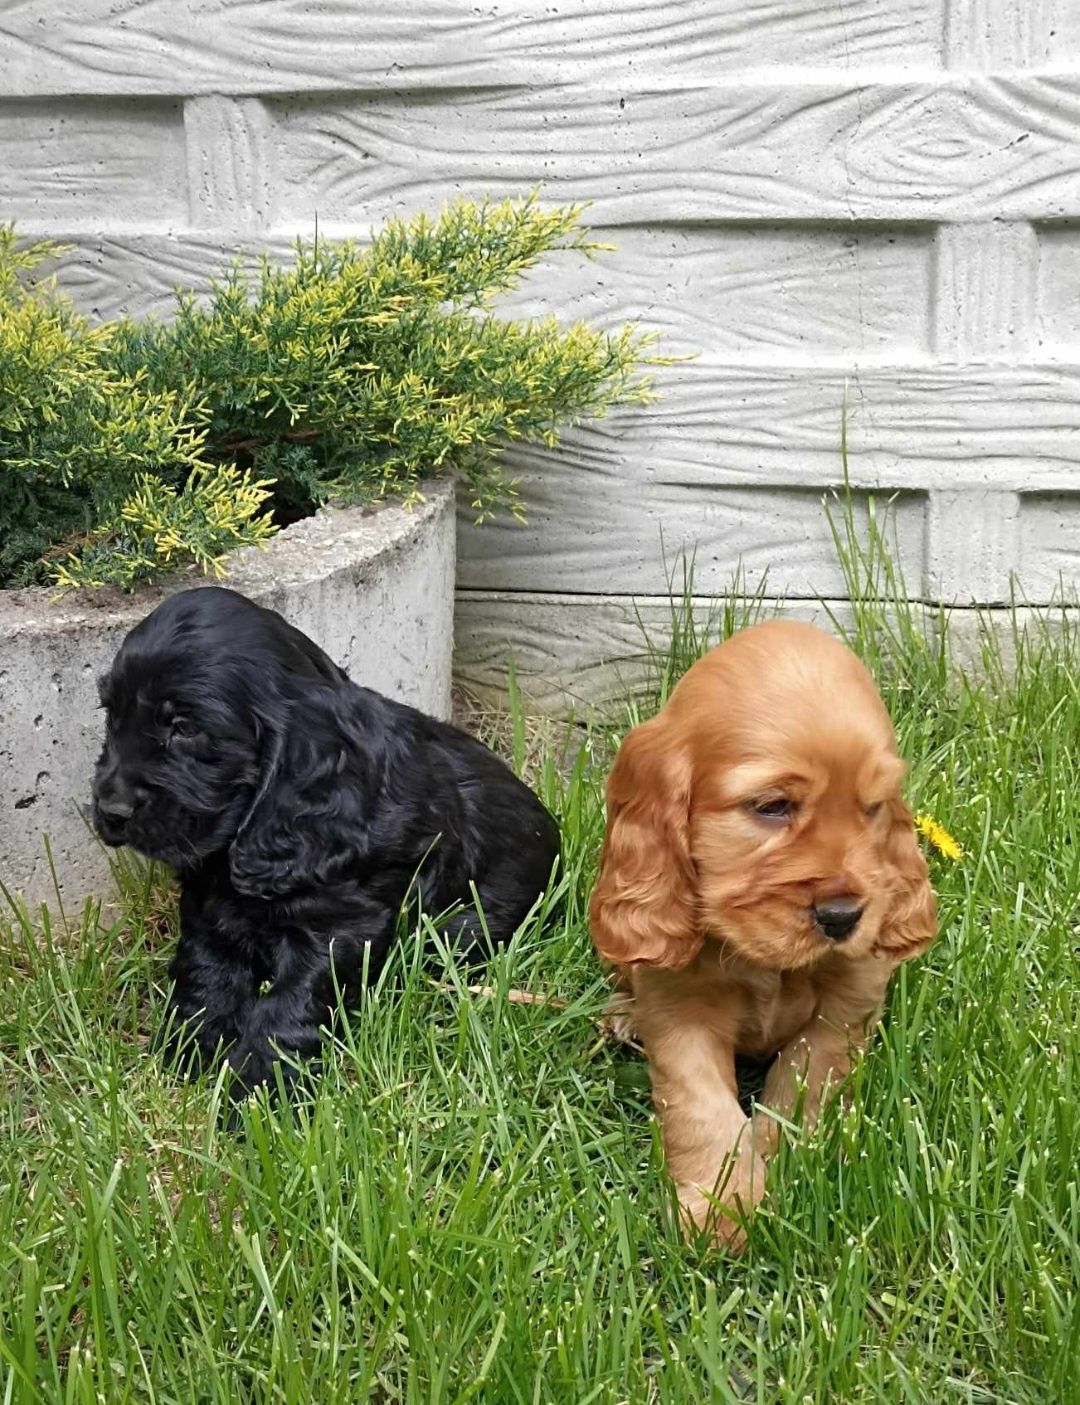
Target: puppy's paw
(706, 1214)
(255, 1068)
(723, 1214)
(250, 1067)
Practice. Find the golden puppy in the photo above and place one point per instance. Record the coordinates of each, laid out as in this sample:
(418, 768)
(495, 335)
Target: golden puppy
(760, 882)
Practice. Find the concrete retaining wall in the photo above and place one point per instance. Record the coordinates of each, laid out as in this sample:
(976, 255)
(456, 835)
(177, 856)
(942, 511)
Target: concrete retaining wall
(373, 587)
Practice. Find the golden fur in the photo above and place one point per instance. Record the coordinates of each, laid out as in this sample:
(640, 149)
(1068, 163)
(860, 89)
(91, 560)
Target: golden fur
(766, 788)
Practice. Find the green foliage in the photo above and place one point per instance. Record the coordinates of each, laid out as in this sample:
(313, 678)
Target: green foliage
(159, 525)
(128, 448)
(87, 445)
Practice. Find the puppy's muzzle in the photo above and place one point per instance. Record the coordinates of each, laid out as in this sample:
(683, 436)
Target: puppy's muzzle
(838, 918)
(114, 805)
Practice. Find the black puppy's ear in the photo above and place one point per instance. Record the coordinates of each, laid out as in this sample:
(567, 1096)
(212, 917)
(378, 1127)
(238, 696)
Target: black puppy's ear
(308, 823)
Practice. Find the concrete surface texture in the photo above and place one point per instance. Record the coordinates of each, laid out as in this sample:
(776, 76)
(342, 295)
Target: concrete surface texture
(870, 203)
(373, 587)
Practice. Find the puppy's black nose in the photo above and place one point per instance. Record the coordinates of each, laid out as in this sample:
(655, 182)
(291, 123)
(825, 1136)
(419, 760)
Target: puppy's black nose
(114, 808)
(838, 918)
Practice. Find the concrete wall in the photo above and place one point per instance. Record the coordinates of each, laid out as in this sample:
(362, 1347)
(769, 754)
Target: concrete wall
(874, 202)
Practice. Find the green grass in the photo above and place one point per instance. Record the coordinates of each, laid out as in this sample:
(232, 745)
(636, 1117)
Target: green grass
(474, 1206)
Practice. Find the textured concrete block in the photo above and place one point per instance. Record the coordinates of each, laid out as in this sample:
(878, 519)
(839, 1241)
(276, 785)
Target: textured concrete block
(374, 589)
(758, 426)
(621, 536)
(227, 177)
(81, 164)
(1059, 32)
(972, 546)
(1058, 291)
(957, 148)
(781, 292)
(287, 46)
(1049, 558)
(576, 653)
(992, 35)
(985, 292)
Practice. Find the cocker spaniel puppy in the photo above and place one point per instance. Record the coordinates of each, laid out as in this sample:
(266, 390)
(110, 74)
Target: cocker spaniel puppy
(760, 881)
(299, 812)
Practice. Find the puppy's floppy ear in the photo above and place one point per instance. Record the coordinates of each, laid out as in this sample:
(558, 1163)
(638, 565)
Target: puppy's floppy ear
(910, 924)
(644, 905)
(309, 820)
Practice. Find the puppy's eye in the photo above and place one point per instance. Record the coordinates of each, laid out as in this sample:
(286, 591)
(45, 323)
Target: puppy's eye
(872, 811)
(183, 727)
(776, 808)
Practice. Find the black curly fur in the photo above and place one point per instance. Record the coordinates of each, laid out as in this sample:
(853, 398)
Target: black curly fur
(299, 812)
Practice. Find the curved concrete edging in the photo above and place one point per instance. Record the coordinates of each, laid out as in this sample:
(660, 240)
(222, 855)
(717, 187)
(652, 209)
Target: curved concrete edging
(373, 586)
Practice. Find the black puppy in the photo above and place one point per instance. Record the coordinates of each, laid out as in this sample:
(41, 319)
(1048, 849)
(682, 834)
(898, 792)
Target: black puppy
(299, 811)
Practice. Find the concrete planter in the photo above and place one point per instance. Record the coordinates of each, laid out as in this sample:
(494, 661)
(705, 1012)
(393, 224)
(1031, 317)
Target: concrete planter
(373, 587)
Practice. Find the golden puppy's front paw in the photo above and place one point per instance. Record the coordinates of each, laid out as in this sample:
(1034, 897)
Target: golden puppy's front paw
(723, 1214)
(704, 1214)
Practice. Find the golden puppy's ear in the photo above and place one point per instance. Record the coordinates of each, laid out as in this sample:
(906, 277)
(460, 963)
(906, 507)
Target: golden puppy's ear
(644, 905)
(910, 925)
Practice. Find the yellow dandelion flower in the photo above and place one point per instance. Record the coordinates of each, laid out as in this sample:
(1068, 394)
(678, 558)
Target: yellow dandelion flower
(939, 837)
